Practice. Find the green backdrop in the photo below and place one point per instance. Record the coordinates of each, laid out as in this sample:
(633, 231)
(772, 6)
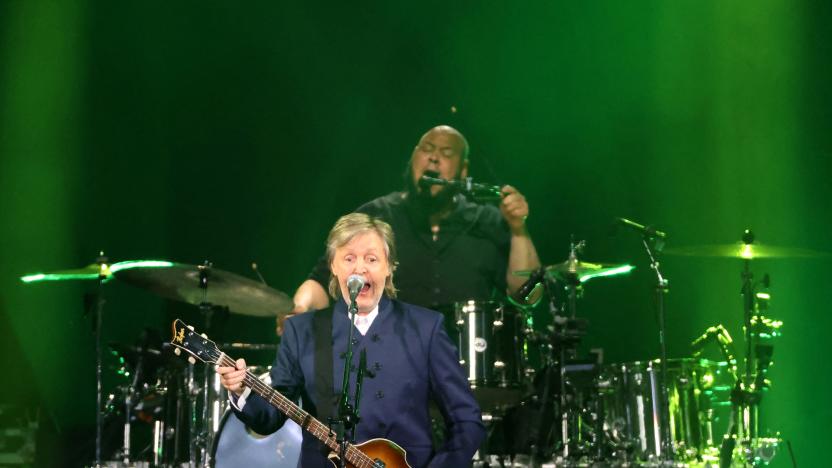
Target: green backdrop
(238, 133)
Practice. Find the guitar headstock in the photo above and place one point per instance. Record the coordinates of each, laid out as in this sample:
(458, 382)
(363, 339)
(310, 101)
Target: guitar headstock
(198, 346)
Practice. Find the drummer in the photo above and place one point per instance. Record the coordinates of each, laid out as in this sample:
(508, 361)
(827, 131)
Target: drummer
(410, 358)
(450, 248)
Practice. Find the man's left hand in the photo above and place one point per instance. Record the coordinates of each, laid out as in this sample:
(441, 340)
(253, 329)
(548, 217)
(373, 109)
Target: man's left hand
(515, 209)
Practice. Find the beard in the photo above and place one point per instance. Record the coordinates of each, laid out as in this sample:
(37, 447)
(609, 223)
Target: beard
(424, 203)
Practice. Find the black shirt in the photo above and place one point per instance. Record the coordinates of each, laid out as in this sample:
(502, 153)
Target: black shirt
(468, 260)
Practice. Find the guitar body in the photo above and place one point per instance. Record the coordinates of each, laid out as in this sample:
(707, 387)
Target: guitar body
(383, 450)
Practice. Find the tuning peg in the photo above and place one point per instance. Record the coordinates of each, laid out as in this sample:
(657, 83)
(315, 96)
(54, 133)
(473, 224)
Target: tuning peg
(204, 336)
(177, 351)
(191, 360)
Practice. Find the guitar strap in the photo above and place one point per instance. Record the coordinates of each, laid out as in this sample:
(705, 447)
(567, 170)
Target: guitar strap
(324, 391)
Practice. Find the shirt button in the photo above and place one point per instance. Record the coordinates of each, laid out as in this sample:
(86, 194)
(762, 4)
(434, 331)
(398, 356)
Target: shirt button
(376, 337)
(354, 341)
(379, 395)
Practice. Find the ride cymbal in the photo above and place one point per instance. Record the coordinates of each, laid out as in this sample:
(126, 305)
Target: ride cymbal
(744, 251)
(204, 285)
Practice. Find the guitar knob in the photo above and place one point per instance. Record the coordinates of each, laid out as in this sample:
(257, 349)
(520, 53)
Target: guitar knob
(191, 360)
(177, 351)
(191, 327)
(204, 336)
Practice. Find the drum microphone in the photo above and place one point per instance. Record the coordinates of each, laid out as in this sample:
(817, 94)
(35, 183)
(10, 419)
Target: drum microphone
(648, 231)
(525, 292)
(354, 285)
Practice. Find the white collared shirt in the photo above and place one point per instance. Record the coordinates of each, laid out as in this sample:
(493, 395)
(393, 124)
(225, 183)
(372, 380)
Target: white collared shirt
(363, 322)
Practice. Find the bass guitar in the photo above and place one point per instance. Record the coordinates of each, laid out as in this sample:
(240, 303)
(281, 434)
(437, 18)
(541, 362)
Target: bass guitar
(374, 453)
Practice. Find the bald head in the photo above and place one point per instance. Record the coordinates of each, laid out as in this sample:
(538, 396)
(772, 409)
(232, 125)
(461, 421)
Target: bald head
(442, 150)
(449, 131)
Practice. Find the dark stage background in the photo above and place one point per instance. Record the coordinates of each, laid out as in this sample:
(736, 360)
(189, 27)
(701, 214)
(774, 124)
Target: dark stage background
(210, 130)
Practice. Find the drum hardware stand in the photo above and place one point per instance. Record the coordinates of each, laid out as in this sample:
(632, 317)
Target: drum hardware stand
(748, 392)
(567, 334)
(653, 245)
(201, 418)
(97, 309)
(130, 392)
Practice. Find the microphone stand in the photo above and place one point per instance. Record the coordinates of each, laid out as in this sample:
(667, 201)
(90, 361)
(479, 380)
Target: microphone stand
(347, 414)
(653, 247)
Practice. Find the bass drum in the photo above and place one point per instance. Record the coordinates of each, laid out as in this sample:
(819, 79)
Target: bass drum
(236, 445)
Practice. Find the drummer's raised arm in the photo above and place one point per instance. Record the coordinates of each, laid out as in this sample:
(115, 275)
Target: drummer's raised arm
(522, 253)
(310, 295)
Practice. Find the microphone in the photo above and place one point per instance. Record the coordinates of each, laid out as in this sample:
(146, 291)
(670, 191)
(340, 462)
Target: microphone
(429, 178)
(466, 185)
(523, 294)
(648, 231)
(354, 285)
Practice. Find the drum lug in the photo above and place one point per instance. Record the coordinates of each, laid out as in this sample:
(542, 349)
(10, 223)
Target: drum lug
(498, 317)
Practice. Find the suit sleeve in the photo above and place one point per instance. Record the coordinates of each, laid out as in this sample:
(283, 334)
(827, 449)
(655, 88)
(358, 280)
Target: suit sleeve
(286, 377)
(463, 419)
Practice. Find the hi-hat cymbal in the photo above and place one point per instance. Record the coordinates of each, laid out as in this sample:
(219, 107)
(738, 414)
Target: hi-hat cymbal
(181, 282)
(92, 271)
(582, 271)
(744, 251)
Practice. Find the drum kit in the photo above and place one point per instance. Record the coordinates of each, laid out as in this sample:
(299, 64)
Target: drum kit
(544, 404)
(569, 409)
(166, 413)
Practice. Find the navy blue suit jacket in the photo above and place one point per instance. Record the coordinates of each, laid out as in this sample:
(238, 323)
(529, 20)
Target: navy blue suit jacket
(413, 361)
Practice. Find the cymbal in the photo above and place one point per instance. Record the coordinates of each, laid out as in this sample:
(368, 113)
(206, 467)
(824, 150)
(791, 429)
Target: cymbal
(744, 251)
(181, 282)
(92, 271)
(583, 271)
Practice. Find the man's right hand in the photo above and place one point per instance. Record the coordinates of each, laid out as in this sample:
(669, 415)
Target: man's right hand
(232, 377)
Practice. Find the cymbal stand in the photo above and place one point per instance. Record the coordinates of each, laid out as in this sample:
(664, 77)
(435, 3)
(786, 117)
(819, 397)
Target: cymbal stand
(653, 246)
(748, 392)
(568, 332)
(201, 438)
(98, 311)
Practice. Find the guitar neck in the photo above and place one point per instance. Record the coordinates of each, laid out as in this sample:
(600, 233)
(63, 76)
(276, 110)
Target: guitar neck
(299, 416)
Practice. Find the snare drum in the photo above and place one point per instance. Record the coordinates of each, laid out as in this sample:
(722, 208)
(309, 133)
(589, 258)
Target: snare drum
(236, 445)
